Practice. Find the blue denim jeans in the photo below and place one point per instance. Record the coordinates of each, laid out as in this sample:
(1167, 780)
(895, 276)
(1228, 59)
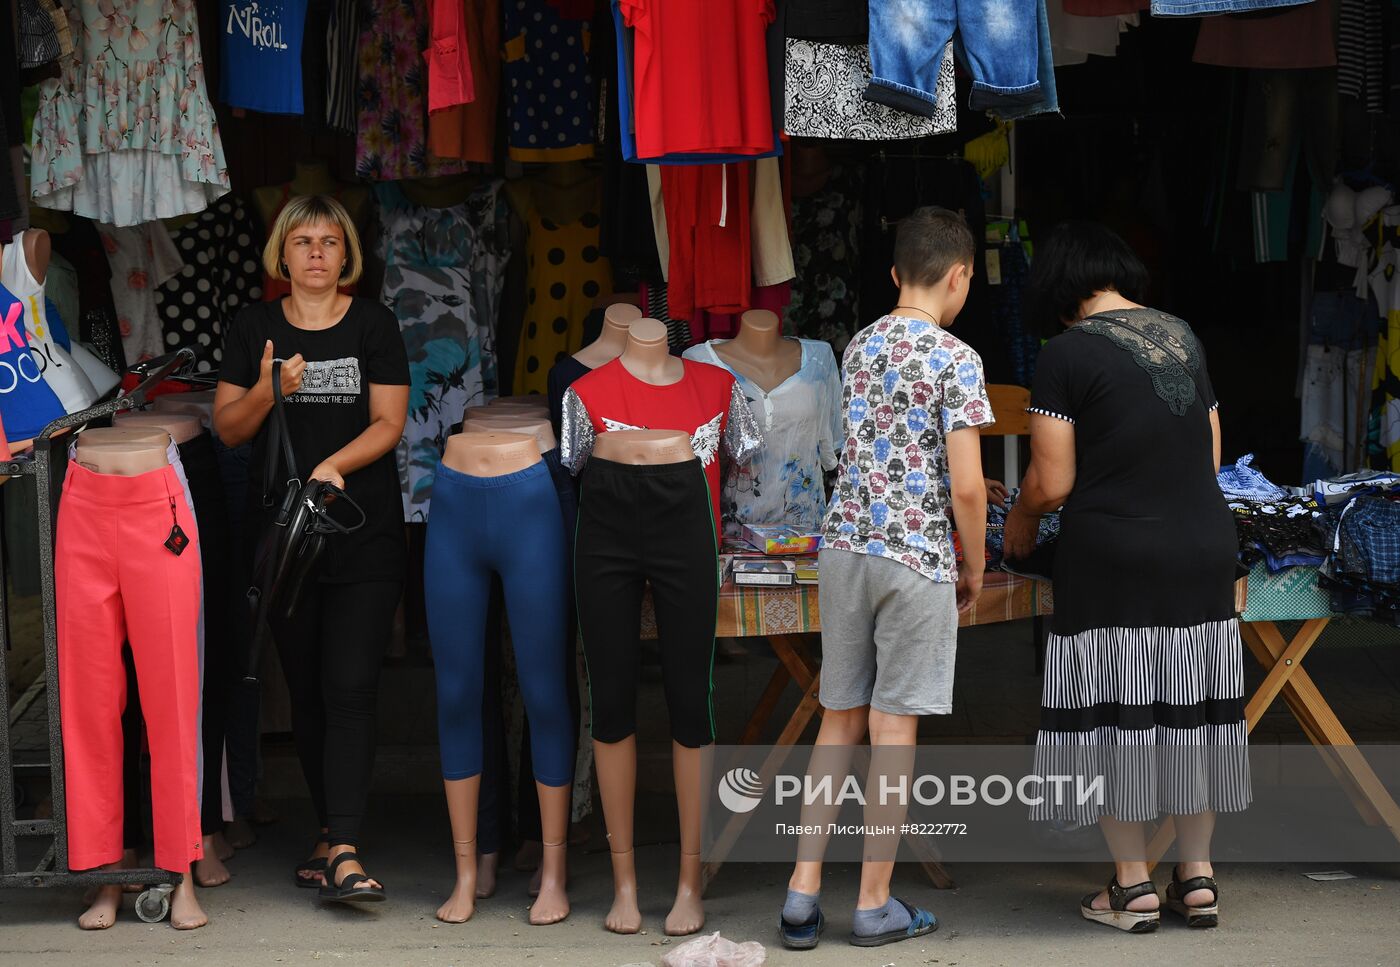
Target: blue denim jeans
(999, 39)
(1204, 8)
(1047, 101)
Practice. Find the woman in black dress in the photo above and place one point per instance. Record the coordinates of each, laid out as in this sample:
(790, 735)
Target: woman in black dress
(1143, 671)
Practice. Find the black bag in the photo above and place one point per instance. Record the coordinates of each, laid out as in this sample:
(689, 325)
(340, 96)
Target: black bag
(290, 547)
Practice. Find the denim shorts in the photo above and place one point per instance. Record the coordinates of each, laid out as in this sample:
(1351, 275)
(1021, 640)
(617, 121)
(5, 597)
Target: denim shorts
(1204, 8)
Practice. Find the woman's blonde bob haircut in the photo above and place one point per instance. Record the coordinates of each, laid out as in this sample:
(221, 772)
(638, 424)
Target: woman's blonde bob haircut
(309, 210)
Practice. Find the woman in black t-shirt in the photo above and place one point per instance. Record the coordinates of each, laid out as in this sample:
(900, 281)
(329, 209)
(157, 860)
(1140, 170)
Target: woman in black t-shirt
(345, 379)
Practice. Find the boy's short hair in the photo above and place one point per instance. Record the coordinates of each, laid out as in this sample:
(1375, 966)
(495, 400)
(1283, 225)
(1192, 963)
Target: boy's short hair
(929, 242)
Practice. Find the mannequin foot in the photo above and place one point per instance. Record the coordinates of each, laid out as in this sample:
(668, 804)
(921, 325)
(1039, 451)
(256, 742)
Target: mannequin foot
(552, 899)
(185, 911)
(461, 904)
(239, 833)
(103, 911)
(534, 888)
(527, 858)
(486, 865)
(210, 871)
(625, 916)
(219, 846)
(688, 914)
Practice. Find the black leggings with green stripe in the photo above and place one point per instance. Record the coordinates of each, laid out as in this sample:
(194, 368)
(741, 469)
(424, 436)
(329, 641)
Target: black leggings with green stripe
(640, 525)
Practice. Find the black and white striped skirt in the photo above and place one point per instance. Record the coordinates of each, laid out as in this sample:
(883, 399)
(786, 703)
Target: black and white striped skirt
(1143, 722)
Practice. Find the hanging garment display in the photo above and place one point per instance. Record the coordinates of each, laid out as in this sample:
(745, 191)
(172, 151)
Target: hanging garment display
(708, 228)
(825, 88)
(342, 65)
(1208, 8)
(38, 37)
(701, 76)
(1361, 53)
(551, 87)
(565, 274)
(120, 582)
(392, 88)
(27, 402)
(905, 63)
(444, 269)
(449, 61)
(1046, 100)
(826, 244)
(1074, 38)
(261, 48)
(112, 140)
(800, 421)
(1301, 37)
(142, 259)
(222, 273)
(468, 131)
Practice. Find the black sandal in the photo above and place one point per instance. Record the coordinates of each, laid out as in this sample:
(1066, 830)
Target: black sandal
(1118, 915)
(315, 865)
(352, 888)
(1198, 916)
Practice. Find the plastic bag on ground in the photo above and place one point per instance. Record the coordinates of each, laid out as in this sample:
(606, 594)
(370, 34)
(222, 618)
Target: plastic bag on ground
(715, 951)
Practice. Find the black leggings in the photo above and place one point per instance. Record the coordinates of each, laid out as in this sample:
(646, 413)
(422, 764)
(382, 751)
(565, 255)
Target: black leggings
(331, 651)
(640, 525)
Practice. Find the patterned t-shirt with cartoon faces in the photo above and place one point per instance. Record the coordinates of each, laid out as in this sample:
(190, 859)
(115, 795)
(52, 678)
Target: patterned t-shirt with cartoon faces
(906, 384)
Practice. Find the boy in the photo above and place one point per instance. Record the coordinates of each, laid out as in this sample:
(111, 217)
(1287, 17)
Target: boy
(891, 589)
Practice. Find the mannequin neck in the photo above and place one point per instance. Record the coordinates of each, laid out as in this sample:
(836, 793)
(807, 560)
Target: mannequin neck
(312, 178)
(758, 335)
(651, 361)
(613, 338)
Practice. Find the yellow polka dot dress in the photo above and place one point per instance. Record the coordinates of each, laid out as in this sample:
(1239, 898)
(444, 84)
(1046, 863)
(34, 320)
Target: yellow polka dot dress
(564, 276)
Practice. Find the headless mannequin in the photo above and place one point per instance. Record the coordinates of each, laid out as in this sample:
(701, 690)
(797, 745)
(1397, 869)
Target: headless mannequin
(760, 352)
(494, 454)
(536, 426)
(200, 404)
(617, 319)
(182, 427)
(129, 452)
(646, 357)
(311, 178)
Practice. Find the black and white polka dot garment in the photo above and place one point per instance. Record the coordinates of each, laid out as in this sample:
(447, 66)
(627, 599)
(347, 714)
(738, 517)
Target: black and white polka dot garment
(222, 251)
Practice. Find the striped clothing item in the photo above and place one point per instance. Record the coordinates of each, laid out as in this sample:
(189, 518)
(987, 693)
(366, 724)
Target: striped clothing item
(342, 40)
(1361, 54)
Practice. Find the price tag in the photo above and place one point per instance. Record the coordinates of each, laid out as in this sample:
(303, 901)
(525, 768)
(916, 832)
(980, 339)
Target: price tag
(993, 266)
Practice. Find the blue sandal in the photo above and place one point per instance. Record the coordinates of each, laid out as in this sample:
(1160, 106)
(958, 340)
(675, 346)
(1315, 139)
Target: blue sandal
(921, 922)
(804, 935)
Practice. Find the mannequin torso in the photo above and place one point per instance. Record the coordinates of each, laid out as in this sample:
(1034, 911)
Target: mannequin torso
(534, 402)
(760, 352)
(123, 452)
(491, 454)
(536, 426)
(37, 249)
(182, 427)
(199, 404)
(617, 319)
(642, 448)
(647, 355)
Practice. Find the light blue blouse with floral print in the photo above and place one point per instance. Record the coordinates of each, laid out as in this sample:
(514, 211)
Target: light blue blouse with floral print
(801, 425)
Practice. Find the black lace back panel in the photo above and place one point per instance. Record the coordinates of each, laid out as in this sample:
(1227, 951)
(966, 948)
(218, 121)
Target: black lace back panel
(1164, 346)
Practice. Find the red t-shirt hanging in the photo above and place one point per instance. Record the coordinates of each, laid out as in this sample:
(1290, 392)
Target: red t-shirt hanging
(706, 403)
(701, 76)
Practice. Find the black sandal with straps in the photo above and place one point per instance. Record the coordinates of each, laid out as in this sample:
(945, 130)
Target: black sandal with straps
(316, 866)
(354, 888)
(1207, 915)
(1118, 915)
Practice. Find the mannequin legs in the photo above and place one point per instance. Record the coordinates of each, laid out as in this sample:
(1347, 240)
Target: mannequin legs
(617, 778)
(553, 902)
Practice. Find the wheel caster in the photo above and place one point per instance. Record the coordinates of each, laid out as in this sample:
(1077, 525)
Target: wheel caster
(153, 904)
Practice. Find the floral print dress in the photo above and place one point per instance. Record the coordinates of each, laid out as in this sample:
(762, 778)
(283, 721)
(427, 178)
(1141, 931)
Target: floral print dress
(443, 276)
(800, 421)
(391, 89)
(826, 251)
(126, 134)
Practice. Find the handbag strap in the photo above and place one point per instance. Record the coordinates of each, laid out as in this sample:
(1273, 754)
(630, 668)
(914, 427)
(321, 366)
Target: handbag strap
(279, 439)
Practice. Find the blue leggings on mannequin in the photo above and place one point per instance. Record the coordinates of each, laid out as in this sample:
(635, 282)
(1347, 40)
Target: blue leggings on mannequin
(509, 525)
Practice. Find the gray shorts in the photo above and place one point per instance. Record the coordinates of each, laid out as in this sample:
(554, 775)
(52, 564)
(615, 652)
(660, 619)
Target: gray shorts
(889, 636)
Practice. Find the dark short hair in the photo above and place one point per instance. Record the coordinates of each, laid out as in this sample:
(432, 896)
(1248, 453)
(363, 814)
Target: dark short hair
(1077, 259)
(929, 242)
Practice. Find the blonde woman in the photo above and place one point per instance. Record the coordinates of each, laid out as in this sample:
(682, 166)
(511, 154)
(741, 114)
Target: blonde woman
(345, 379)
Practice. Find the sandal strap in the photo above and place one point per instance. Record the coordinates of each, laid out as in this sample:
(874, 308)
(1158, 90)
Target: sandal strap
(1120, 896)
(340, 858)
(1183, 887)
(918, 919)
(351, 881)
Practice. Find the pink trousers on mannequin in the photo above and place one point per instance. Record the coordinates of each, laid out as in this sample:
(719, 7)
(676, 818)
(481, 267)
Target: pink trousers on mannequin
(117, 582)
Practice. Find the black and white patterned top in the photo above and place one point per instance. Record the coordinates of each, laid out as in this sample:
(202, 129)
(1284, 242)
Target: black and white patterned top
(825, 96)
(221, 248)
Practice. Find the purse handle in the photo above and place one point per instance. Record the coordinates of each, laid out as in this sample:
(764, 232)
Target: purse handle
(279, 438)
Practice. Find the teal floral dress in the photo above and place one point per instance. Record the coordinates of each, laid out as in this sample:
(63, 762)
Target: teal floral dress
(801, 425)
(443, 276)
(826, 252)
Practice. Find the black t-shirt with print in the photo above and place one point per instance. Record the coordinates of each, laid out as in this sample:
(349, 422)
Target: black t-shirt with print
(330, 410)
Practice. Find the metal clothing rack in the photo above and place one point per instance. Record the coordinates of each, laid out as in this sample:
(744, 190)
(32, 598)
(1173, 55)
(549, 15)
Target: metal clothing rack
(52, 869)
